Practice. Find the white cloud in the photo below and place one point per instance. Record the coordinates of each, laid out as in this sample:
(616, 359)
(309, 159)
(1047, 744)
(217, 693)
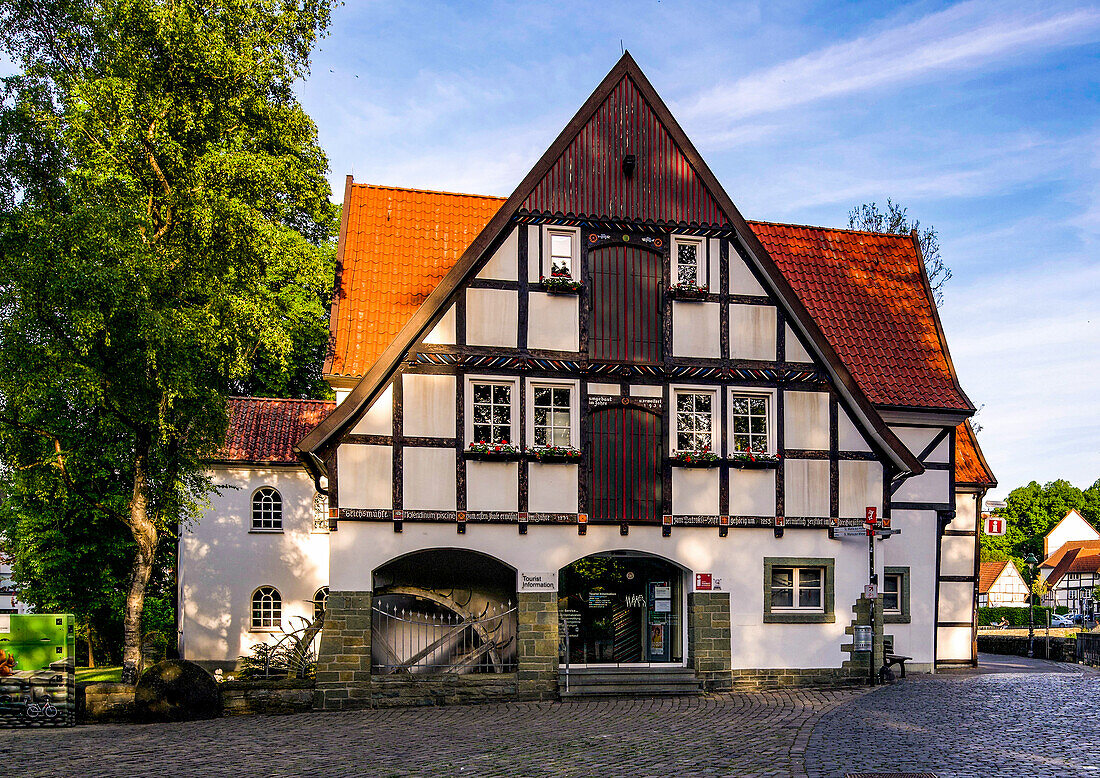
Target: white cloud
(964, 37)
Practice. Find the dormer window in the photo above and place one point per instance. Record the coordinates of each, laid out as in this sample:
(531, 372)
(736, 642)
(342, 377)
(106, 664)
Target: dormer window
(688, 263)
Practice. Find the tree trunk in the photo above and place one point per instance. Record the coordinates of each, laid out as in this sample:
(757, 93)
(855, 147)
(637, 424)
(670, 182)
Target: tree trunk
(91, 655)
(145, 536)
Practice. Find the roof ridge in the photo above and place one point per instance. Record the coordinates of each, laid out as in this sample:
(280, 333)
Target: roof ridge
(429, 191)
(276, 399)
(900, 236)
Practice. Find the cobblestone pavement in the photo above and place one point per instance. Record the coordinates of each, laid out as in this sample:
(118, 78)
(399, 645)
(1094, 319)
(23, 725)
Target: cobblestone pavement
(720, 735)
(1014, 717)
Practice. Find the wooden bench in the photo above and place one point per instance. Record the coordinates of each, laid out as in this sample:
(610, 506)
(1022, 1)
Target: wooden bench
(896, 659)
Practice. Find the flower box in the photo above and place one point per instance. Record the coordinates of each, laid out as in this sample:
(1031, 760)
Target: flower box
(492, 452)
(753, 461)
(688, 292)
(560, 285)
(704, 458)
(554, 455)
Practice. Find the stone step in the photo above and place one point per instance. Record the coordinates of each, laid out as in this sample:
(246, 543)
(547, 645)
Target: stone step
(629, 682)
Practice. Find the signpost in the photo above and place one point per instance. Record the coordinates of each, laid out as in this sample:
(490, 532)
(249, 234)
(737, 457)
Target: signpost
(870, 523)
(994, 525)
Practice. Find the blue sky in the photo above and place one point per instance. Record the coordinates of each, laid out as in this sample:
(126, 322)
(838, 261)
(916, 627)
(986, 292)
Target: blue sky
(983, 118)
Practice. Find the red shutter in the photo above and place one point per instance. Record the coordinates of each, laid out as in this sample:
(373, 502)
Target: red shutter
(626, 305)
(625, 474)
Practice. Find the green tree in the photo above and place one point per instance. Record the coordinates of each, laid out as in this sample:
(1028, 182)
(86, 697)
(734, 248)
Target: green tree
(157, 174)
(1031, 512)
(895, 220)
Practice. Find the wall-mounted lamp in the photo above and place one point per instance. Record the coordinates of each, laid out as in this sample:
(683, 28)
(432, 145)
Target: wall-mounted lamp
(628, 165)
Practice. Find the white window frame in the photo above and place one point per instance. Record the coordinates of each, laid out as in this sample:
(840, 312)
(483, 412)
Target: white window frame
(796, 581)
(898, 611)
(252, 525)
(715, 415)
(574, 388)
(319, 514)
(320, 597)
(278, 625)
(771, 397)
(574, 233)
(513, 439)
(702, 264)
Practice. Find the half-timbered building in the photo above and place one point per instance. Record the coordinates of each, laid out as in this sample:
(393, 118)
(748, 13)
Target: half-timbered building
(606, 422)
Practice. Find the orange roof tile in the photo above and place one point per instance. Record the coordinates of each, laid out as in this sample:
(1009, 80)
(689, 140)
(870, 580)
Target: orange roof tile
(866, 292)
(398, 245)
(864, 289)
(988, 574)
(1086, 546)
(970, 466)
(265, 429)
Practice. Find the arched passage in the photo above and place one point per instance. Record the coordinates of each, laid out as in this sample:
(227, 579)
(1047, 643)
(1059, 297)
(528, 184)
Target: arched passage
(622, 608)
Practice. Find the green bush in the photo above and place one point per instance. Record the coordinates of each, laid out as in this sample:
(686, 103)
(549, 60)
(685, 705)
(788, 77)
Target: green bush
(1017, 617)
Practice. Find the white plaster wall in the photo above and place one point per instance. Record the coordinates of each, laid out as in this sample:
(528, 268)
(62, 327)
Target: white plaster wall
(954, 642)
(504, 263)
(378, 419)
(752, 492)
(1070, 529)
(533, 269)
(552, 488)
(366, 476)
(360, 547)
(222, 563)
(849, 437)
(752, 332)
(1009, 589)
(443, 333)
(916, 439)
(644, 390)
(492, 317)
(428, 479)
(695, 329)
(695, 491)
(956, 555)
(915, 548)
(929, 486)
(806, 487)
(428, 408)
(606, 389)
(553, 321)
(742, 281)
(806, 420)
(793, 347)
(860, 487)
(966, 511)
(941, 454)
(956, 601)
(492, 486)
(714, 255)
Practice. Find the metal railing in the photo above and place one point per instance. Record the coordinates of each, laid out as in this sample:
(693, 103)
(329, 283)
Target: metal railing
(1088, 648)
(423, 643)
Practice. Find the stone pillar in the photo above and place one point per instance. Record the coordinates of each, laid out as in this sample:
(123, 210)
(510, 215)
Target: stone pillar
(537, 646)
(709, 639)
(858, 666)
(343, 660)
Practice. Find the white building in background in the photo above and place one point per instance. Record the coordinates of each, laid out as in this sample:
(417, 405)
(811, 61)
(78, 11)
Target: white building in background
(9, 592)
(256, 565)
(1001, 585)
(1072, 528)
(612, 399)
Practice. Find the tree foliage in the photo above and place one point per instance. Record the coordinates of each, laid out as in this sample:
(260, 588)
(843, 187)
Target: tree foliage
(163, 216)
(895, 220)
(1031, 512)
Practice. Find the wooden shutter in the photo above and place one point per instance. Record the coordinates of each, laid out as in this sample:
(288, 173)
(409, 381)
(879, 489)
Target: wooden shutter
(626, 304)
(625, 475)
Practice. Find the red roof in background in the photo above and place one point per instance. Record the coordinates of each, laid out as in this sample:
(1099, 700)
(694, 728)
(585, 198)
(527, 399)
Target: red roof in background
(988, 574)
(864, 289)
(1078, 557)
(398, 245)
(970, 466)
(1085, 546)
(264, 429)
(866, 292)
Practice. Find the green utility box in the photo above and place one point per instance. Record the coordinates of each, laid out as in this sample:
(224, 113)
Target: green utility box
(37, 670)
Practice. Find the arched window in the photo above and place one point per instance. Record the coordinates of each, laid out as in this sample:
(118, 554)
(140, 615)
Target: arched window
(267, 509)
(267, 608)
(320, 602)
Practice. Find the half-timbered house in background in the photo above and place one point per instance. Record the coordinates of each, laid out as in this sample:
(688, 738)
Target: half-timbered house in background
(607, 424)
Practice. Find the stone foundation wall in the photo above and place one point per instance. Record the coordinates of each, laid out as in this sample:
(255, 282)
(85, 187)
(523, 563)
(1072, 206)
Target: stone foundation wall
(343, 660)
(105, 702)
(859, 664)
(1061, 649)
(709, 639)
(269, 697)
(787, 678)
(537, 645)
(396, 691)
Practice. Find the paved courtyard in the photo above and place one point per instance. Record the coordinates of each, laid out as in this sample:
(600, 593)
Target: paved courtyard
(970, 724)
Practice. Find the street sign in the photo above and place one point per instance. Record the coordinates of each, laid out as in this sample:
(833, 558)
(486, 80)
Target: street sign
(994, 525)
(872, 515)
(870, 591)
(849, 532)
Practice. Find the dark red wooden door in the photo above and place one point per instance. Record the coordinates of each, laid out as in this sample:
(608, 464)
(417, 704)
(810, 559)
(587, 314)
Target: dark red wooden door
(625, 474)
(626, 305)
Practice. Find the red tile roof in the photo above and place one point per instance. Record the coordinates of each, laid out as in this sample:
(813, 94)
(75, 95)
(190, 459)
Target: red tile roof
(866, 291)
(1079, 559)
(1085, 546)
(970, 466)
(265, 429)
(988, 574)
(397, 246)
